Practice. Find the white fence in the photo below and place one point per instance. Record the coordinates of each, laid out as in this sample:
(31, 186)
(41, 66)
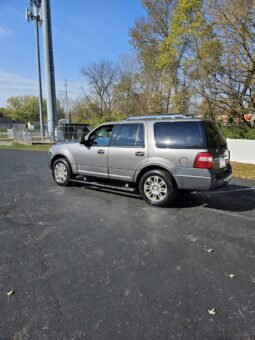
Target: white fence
(242, 150)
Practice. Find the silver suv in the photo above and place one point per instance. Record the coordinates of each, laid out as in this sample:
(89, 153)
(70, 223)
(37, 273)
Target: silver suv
(158, 155)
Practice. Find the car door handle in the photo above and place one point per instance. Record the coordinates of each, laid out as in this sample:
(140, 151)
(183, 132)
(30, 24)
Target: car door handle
(139, 153)
(100, 152)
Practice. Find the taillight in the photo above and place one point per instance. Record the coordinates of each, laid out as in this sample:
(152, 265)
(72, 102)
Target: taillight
(204, 160)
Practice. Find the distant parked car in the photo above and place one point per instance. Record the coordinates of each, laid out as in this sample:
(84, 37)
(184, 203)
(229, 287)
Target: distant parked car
(158, 155)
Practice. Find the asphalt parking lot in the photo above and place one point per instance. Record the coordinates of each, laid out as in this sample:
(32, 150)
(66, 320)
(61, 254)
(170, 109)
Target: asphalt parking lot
(86, 263)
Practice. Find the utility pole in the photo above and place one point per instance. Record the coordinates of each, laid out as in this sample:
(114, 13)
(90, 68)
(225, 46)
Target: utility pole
(33, 14)
(66, 100)
(49, 68)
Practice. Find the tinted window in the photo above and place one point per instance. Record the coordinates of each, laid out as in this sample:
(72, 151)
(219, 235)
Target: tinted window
(129, 135)
(102, 135)
(215, 138)
(179, 135)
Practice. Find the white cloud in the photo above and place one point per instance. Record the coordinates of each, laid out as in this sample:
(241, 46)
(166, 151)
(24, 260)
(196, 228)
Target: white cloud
(5, 32)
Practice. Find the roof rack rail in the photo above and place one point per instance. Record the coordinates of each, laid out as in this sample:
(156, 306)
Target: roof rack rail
(160, 116)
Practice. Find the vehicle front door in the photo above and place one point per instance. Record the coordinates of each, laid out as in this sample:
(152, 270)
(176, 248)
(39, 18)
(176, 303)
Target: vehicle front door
(92, 159)
(128, 150)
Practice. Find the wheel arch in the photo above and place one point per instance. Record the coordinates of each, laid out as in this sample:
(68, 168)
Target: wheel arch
(59, 156)
(153, 167)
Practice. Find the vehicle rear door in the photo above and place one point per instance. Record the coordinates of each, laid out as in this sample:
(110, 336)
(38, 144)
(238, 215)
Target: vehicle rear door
(127, 150)
(217, 146)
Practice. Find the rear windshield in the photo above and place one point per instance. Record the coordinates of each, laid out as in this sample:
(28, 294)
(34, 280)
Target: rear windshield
(179, 135)
(215, 138)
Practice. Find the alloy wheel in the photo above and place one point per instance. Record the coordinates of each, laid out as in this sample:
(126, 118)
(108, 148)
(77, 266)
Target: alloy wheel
(155, 188)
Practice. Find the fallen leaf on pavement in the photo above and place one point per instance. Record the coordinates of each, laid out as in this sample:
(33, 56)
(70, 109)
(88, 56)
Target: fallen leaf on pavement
(210, 250)
(11, 292)
(232, 276)
(212, 311)
(252, 279)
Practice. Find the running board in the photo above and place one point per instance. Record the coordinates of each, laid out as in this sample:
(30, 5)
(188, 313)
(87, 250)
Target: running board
(107, 186)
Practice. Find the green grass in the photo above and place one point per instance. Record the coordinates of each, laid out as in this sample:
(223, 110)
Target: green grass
(243, 170)
(19, 146)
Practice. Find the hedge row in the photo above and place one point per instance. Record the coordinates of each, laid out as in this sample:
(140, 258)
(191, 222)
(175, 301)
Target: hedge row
(238, 132)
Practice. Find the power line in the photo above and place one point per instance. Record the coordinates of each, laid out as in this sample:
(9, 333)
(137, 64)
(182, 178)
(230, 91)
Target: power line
(19, 90)
(58, 85)
(77, 93)
(7, 82)
(5, 85)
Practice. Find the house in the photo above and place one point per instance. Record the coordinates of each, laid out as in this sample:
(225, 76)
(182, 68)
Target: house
(5, 122)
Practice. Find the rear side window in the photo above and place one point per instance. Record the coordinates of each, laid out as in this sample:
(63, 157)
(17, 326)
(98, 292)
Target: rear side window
(179, 135)
(215, 138)
(129, 135)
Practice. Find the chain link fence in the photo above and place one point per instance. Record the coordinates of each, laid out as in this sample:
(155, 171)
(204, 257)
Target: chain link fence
(21, 134)
(71, 132)
(63, 133)
(3, 133)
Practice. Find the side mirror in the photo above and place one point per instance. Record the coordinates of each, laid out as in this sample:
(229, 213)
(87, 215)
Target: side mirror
(82, 139)
(85, 140)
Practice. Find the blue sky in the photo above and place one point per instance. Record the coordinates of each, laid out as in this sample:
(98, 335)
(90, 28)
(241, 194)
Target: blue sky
(84, 31)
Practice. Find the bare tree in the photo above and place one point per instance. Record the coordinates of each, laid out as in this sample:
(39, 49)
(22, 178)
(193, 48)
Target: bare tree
(146, 35)
(230, 84)
(127, 88)
(101, 79)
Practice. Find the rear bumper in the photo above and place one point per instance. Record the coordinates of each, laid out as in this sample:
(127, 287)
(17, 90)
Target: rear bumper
(219, 179)
(202, 179)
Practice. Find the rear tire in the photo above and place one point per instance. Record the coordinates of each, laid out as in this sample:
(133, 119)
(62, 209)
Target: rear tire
(157, 188)
(61, 172)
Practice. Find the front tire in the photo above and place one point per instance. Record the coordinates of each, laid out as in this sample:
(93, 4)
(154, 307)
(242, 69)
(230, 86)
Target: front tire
(157, 188)
(61, 172)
